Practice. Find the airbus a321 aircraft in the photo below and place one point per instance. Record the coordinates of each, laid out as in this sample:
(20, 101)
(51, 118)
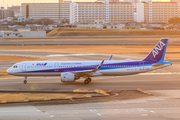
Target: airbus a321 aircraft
(70, 71)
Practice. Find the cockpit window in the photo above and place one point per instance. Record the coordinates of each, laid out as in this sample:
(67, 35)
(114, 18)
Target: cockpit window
(15, 66)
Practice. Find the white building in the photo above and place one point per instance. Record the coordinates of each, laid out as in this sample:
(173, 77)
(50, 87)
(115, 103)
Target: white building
(90, 26)
(54, 11)
(177, 1)
(21, 19)
(160, 12)
(119, 26)
(131, 1)
(23, 34)
(156, 12)
(139, 12)
(86, 12)
(16, 10)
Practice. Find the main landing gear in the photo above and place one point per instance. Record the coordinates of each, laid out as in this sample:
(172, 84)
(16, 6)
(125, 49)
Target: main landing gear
(87, 81)
(25, 81)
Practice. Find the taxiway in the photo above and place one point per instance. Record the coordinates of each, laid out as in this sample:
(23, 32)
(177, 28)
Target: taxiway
(163, 83)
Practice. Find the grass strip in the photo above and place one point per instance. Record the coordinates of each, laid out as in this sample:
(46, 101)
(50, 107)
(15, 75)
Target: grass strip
(32, 97)
(66, 31)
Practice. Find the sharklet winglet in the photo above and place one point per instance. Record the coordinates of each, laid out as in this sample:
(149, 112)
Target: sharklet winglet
(110, 57)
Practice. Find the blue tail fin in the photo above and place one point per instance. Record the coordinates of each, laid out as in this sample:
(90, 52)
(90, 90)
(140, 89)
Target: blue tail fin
(158, 52)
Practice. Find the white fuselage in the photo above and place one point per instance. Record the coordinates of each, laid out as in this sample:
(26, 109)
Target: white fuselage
(55, 68)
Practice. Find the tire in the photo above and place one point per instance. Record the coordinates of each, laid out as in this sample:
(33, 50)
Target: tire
(25, 81)
(86, 81)
(89, 79)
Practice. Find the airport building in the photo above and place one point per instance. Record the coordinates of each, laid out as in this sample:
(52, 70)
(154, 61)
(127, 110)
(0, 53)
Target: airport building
(23, 34)
(87, 12)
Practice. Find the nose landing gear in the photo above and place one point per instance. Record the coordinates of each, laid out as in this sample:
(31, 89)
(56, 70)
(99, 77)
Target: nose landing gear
(25, 81)
(87, 81)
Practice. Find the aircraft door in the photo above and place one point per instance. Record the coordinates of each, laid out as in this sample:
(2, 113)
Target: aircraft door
(141, 65)
(56, 66)
(24, 67)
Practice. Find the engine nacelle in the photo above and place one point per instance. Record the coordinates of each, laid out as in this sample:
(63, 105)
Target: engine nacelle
(67, 77)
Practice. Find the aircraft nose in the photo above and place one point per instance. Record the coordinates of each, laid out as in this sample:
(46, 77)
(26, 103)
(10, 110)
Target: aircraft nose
(9, 71)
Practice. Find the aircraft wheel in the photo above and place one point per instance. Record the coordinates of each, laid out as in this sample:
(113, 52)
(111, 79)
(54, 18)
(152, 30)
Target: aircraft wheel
(86, 81)
(89, 79)
(25, 81)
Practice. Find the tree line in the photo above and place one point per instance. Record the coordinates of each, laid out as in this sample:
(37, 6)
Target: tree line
(174, 20)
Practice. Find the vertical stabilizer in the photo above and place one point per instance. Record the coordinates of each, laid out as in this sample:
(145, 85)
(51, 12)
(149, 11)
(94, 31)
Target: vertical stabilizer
(158, 52)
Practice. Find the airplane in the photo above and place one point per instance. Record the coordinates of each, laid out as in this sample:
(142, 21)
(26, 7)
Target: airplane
(70, 71)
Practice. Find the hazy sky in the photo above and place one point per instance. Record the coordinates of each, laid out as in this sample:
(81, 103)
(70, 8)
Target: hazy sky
(18, 2)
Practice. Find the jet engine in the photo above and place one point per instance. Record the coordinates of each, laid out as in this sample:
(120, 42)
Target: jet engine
(68, 77)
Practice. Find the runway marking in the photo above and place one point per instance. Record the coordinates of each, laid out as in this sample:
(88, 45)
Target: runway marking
(49, 114)
(144, 114)
(99, 114)
(143, 110)
(95, 111)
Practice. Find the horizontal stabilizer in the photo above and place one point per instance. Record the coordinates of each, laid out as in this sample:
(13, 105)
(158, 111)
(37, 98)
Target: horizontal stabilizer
(157, 65)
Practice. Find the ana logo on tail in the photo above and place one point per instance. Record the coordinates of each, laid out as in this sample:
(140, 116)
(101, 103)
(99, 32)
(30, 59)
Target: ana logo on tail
(158, 48)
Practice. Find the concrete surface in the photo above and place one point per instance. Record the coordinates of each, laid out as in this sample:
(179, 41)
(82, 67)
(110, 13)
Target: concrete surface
(163, 83)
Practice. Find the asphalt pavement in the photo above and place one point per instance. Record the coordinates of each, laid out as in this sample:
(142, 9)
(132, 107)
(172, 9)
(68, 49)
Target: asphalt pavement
(163, 83)
(92, 41)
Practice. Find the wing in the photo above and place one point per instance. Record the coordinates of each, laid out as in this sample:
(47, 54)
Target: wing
(88, 72)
